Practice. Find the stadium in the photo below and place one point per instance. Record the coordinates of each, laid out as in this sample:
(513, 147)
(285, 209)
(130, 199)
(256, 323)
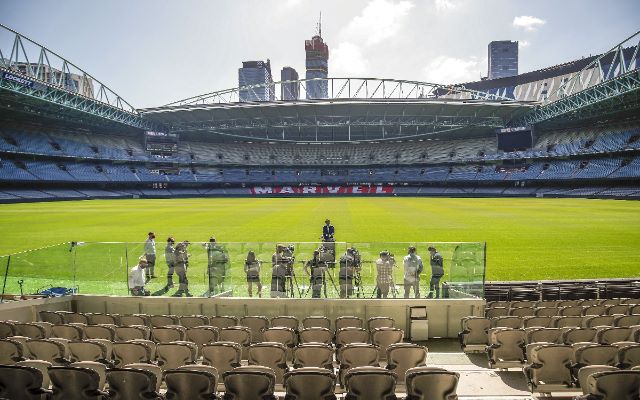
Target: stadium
(254, 242)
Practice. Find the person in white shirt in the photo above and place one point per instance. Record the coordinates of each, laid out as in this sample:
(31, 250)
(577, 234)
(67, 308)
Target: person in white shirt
(150, 254)
(412, 269)
(137, 278)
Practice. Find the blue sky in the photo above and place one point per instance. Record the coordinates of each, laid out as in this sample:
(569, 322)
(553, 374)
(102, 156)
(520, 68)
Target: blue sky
(153, 52)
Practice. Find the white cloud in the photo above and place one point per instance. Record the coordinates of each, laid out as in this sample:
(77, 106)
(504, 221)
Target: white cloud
(444, 5)
(293, 3)
(348, 60)
(379, 20)
(448, 70)
(523, 43)
(528, 23)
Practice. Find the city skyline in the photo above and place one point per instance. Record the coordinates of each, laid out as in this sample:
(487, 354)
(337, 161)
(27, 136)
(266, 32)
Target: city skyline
(153, 54)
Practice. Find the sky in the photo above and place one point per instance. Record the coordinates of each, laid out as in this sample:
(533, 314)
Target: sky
(153, 52)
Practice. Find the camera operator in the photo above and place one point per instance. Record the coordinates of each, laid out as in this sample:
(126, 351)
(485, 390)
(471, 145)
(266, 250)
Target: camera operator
(170, 259)
(315, 268)
(137, 278)
(328, 231)
(252, 269)
(150, 254)
(216, 266)
(437, 271)
(279, 264)
(412, 269)
(384, 268)
(349, 266)
(181, 265)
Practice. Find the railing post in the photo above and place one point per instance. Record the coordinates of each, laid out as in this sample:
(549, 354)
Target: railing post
(6, 273)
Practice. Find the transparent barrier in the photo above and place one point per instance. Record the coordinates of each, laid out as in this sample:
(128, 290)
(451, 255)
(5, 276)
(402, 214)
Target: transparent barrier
(374, 269)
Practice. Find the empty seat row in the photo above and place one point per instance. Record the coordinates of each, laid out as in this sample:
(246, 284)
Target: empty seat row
(561, 303)
(619, 309)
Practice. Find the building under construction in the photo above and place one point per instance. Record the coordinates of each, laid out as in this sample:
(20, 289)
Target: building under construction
(317, 64)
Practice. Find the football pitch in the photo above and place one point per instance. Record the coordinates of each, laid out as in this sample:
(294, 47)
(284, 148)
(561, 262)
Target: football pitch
(527, 239)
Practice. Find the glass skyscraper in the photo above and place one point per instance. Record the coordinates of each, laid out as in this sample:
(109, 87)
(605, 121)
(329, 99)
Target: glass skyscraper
(289, 91)
(317, 63)
(503, 59)
(256, 73)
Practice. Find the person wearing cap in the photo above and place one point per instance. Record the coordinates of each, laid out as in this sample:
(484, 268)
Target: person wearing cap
(384, 278)
(216, 266)
(278, 272)
(412, 269)
(181, 265)
(170, 259)
(252, 269)
(328, 231)
(437, 271)
(315, 269)
(349, 266)
(137, 279)
(150, 254)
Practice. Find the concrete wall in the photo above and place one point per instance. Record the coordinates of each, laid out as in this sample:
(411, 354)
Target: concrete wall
(444, 315)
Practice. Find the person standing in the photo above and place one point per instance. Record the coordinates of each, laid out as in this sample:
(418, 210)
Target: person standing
(437, 271)
(137, 278)
(278, 273)
(216, 266)
(384, 279)
(349, 266)
(252, 269)
(170, 258)
(412, 268)
(181, 266)
(328, 231)
(316, 269)
(150, 254)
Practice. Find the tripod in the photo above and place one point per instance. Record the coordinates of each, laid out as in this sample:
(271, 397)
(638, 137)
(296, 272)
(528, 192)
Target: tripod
(392, 286)
(290, 280)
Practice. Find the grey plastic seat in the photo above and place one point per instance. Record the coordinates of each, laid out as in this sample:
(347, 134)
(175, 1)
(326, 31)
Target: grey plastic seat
(131, 352)
(317, 355)
(618, 309)
(190, 384)
(380, 322)
(547, 303)
(629, 356)
(494, 312)
(23, 383)
(592, 321)
(506, 348)
(7, 329)
(98, 367)
(549, 368)
(546, 311)
(595, 310)
(257, 324)
(618, 385)
(366, 383)
(285, 321)
(427, 383)
(316, 322)
(569, 303)
(174, 354)
(522, 312)
(65, 331)
(590, 302)
(540, 322)
(129, 384)
(87, 351)
(310, 383)
(512, 322)
(70, 317)
(30, 330)
(48, 350)
(566, 322)
(191, 321)
(75, 383)
(613, 335)
(351, 335)
(348, 322)
(103, 319)
(579, 335)
(53, 317)
(404, 356)
(356, 355)
(224, 356)
(40, 365)
(272, 355)
(522, 303)
(595, 354)
(285, 336)
(152, 368)
(223, 321)
(158, 321)
(547, 335)
(249, 383)
(626, 321)
(169, 333)
(237, 334)
(316, 335)
(135, 319)
(201, 335)
(131, 332)
(474, 334)
(585, 372)
(11, 351)
(383, 337)
(571, 311)
(107, 332)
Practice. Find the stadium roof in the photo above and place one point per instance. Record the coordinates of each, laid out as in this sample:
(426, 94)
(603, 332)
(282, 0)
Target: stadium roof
(337, 120)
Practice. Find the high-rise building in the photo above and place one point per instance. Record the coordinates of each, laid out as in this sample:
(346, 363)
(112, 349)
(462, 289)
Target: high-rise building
(503, 59)
(256, 73)
(317, 63)
(289, 91)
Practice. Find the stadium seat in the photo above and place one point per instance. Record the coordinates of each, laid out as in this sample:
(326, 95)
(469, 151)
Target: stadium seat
(356, 355)
(316, 322)
(125, 353)
(11, 351)
(505, 349)
(427, 383)
(380, 322)
(351, 335)
(383, 337)
(190, 384)
(76, 383)
(130, 332)
(362, 383)
(191, 321)
(318, 355)
(257, 325)
(107, 332)
(310, 383)
(474, 335)
(172, 355)
(585, 372)
(49, 350)
(272, 355)
(224, 356)
(348, 322)
(87, 351)
(619, 385)
(317, 335)
(403, 356)
(201, 335)
(548, 369)
(71, 332)
(285, 321)
(168, 333)
(249, 383)
(127, 383)
(20, 382)
(221, 322)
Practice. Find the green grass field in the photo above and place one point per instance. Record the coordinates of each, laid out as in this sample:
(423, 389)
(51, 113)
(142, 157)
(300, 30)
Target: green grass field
(526, 238)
